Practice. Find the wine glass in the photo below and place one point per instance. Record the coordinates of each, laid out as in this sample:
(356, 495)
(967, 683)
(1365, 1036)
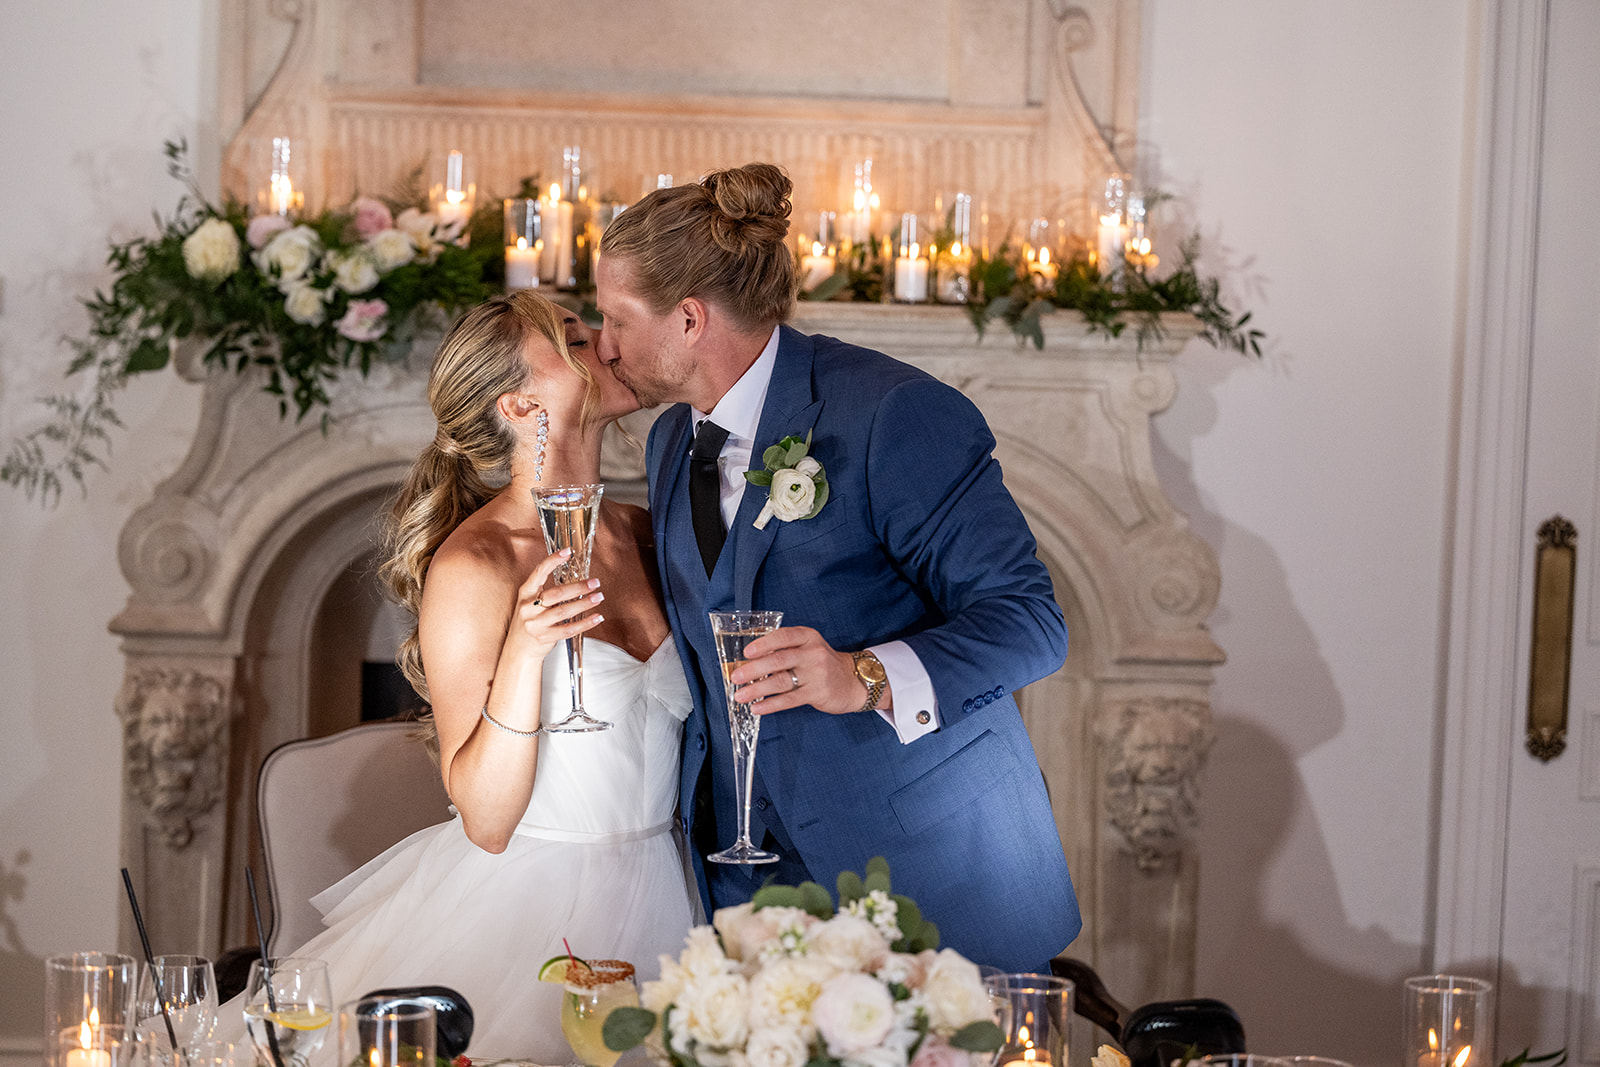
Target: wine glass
(187, 986)
(288, 1007)
(592, 992)
(734, 630)
(567, 516)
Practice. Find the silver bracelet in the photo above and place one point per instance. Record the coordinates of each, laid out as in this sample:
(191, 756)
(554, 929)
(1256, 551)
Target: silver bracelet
(492, 721)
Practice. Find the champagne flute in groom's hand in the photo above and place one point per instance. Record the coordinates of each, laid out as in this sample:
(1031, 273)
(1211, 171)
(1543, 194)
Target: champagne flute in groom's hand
(733, 630)
(568, 515)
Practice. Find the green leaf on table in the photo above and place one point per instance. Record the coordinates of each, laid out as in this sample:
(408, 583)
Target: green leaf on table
(627, 1027)
(829, 287)
(815, 900)
(981, 1036)
(850, 887)
(776, 896)
(877, 874)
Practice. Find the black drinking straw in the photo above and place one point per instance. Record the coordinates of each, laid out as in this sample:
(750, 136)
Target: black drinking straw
(144, 939)
(266, 967)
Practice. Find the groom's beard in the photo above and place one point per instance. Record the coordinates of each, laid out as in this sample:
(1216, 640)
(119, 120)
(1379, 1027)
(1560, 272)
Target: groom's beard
(657, 378)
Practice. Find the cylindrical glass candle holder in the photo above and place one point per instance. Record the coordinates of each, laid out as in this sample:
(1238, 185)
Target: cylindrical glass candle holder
(1448, 1021)
(282, 192)
(1035, 1011)
(862, 203)
(452, 196)
(953, 265)
(378, 1031)
(1039, 252)
(89, 1010)
(1111, 233)
(524, 233)
(910, 267)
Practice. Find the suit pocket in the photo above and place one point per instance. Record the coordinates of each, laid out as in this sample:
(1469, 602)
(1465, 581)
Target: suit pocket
(960, 780)
(801, 531)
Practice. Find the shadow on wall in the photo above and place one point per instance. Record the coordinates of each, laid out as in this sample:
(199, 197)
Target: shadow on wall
(21, 972)
(1275, 702)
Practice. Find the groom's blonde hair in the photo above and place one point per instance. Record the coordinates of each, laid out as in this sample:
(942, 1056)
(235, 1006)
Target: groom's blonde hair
(725, 240)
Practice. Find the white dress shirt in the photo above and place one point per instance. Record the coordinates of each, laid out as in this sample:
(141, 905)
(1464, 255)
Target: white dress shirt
(916, 709)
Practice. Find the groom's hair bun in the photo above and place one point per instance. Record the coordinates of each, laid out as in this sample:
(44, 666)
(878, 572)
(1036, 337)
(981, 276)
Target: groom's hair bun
(724, 240)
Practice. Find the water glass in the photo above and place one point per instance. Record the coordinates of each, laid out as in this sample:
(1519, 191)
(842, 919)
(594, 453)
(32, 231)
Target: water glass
(89, 1010)
(288, 1006)
(379, 1031)
(188, 986)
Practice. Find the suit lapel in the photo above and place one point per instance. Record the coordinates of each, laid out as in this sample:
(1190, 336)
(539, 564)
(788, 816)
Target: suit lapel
(664, 487)
(791, 408)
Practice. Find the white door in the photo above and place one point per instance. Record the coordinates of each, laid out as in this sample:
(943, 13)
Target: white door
(1549, 986)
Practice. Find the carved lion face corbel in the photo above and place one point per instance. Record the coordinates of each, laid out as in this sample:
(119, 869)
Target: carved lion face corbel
(173, 723)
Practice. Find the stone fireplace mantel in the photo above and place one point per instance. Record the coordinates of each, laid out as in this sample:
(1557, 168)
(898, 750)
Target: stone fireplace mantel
(241, 551)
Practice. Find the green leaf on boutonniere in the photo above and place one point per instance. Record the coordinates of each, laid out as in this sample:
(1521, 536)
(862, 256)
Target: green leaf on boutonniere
(821, 497)
(772, 458)
(758, 477)
(796, 452)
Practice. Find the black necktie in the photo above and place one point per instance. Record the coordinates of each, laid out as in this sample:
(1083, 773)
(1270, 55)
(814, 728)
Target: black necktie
(705, 492)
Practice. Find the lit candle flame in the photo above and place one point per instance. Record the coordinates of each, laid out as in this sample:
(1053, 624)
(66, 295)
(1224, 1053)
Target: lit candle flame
(555, 191)
(1462, 1057)
(816, 248)
(85, 1035)
(1433, 1039)
(916, 250)
(955, 249)
(522, 243)
(373, 1058)
(454, 196)
(1044, 257)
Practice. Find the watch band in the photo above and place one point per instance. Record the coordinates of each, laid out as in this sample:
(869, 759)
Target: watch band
(874, 685)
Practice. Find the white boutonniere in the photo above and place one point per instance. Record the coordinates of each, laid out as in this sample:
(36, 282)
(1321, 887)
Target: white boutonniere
(797, 486)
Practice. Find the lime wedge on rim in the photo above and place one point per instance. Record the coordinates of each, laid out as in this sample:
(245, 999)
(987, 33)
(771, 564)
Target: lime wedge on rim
(554, 969)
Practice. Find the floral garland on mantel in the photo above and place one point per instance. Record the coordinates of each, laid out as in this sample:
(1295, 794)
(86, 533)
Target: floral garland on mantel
(352, 286)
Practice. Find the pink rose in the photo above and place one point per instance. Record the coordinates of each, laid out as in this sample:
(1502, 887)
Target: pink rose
(363, 321)
(937, 1052)
(372, 216)
(262, 227)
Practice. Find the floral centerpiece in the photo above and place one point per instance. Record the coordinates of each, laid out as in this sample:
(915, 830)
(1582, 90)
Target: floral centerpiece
(788, 981)
(301, 299)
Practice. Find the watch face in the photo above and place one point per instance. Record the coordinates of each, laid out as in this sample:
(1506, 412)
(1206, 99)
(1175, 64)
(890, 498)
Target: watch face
(870, 671)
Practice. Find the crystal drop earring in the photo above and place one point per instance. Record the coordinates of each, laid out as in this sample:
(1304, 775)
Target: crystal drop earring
(539, 440)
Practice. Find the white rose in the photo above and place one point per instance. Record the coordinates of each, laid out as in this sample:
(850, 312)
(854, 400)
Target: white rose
(792, 494)
(954, 993)
(714, 1010)
(808, 466)
(656, 995)
(852, 943)
(782, 992)
(211, 252)
(306, 304)
(747, 934)
(290, 254)
(391, 249)
(852, 1013)
(702, 954)
(878, 1056)
(778, 1046)
(354, 272)
(422, 228)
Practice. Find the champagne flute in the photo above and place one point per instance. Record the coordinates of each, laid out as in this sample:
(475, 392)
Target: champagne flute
(568, 515)
(188, 987)
(734, 630)
(288, 1007)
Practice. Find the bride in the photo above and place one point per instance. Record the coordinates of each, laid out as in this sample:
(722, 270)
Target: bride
(561, 838)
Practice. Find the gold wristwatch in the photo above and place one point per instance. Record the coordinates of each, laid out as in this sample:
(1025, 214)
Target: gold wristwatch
(870, 670)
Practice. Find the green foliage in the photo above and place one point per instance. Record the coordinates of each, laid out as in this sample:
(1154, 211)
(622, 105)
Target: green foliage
(1550, 1059)
(153, 303)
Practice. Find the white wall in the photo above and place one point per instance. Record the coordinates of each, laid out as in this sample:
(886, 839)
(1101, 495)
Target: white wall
(1321, 149)
(89, 89)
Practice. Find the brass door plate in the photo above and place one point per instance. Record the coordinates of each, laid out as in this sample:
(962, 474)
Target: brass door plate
(1554, 573)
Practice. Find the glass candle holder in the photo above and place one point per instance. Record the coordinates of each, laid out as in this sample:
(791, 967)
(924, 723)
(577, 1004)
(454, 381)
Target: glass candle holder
(452, 196)
(953, 264)
(378, 1031)
(89, 1010)
(910, 267)
(1448, 1021)
(1111, 234)
(283, 193)
(862, 204)
(524, 233)
(1034, 1011)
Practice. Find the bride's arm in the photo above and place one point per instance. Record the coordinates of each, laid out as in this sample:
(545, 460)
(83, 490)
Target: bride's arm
(484, 640)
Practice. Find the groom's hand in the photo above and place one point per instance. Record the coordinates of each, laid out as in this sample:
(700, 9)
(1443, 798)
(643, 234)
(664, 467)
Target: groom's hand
(827, 679)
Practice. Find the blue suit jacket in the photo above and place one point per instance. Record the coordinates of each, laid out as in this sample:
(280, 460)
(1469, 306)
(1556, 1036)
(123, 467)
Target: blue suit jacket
(919, 541)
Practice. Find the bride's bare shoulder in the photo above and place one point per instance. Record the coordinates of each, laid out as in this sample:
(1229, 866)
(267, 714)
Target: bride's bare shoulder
(486, 549)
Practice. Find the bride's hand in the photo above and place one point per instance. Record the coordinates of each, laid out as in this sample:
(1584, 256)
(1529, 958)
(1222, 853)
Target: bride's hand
(548, 614)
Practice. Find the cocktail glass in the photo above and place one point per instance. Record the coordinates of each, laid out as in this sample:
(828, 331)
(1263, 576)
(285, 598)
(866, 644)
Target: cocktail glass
(567, 516)
(733, 630)
(592, 993)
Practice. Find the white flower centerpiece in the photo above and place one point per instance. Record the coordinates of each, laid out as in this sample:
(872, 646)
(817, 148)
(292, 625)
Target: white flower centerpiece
(787, 981)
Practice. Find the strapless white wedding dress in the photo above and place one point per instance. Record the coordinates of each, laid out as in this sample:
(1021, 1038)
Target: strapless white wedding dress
(595, 861)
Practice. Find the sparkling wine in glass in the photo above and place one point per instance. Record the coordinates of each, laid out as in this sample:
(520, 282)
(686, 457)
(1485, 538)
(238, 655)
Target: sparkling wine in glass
(568, 515)
(288, 1009)
(734, 630)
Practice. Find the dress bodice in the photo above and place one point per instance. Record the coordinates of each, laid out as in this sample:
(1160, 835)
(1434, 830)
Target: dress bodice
(618, 783)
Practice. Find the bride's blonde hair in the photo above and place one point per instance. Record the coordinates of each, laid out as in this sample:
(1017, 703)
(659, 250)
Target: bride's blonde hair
(469, 459)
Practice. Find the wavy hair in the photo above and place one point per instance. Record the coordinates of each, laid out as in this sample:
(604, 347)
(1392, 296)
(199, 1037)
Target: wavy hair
(469, 458)
(725, 239)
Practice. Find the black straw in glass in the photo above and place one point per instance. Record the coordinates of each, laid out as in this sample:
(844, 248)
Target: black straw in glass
(266, 967)
(150, 961)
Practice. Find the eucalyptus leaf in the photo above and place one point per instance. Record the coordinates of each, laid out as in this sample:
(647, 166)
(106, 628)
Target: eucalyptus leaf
(758, 477)
(829, 287)
(877, 874)
(850, 887)
(795, 453)
(815, 900)
(627, 1027)
(981, 1036)
(772, 458)
(777, 896)
(820, 499)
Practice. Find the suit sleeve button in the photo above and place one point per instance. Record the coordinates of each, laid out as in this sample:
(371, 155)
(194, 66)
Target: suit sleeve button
(924, 718)
(966, 705)
(700, 742)
(761, 803)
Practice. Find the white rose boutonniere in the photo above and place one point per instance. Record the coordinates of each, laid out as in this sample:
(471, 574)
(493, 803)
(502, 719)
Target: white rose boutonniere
(797, 486)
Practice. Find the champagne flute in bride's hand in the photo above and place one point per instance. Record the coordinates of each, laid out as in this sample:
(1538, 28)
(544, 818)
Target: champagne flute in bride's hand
(567, 516)
(733, 630)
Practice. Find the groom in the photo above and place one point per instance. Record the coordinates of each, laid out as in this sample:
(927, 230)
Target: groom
(914, 604)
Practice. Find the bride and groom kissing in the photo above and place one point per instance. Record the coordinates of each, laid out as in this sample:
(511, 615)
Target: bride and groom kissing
(914, 607)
